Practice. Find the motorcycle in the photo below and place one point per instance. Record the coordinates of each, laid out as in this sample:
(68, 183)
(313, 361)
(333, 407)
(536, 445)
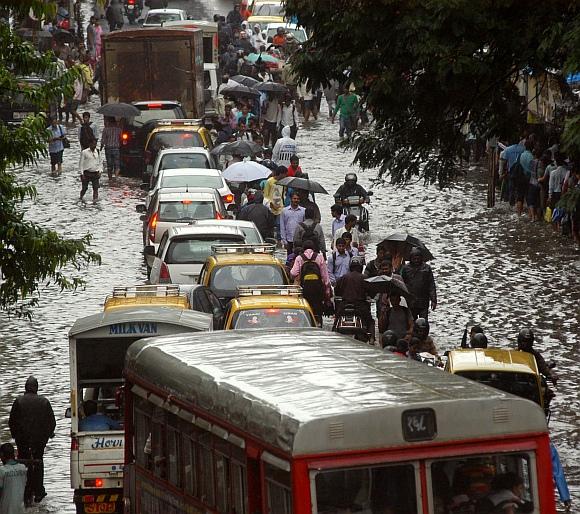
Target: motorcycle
(355, 205)
(132, 10)
(347, 321)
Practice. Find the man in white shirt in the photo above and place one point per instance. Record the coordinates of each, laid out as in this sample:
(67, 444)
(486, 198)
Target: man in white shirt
(349, 226)
(287, 116)
(90, 169)
(270, 110)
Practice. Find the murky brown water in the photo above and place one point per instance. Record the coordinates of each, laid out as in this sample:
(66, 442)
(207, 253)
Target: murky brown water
(490, 267)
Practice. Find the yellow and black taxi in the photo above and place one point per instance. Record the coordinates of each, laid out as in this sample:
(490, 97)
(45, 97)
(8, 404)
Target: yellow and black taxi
(511, 371)
(268, 307)
(178, 133)
(232, 266)
(145, 295)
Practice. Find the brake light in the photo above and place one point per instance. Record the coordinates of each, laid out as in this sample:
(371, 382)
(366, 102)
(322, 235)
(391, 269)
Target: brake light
(125, 138)
(132, 2)
(74, 444)
(152, 227)
(229, 198)
(164, 277)
(154, 105)
(272, 311)
(186, 202)
(94, 482)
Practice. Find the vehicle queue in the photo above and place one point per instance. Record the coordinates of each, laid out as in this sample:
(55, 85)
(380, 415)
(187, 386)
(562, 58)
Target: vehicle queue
(264, 411)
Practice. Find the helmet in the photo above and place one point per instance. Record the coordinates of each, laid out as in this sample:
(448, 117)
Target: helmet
(356, 262)
(479, 341)
(525, 338)
(389, 339)
(421, 327)
(350, 177)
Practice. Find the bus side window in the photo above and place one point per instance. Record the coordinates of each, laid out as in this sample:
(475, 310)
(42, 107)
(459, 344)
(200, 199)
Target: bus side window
(206, 480)
(190, 463)
(278, 489)
(158, 450)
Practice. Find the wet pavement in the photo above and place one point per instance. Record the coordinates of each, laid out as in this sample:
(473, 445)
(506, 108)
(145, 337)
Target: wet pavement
(491, 268)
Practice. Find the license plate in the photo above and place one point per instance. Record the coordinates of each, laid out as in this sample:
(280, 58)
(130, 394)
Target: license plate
(20, 115)
(130, 7)
(95, 508)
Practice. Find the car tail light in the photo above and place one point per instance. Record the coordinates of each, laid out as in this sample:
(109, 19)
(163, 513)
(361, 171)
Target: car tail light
(164, 277)
(88, 498)
(125, 138)
(218, 216)
(152, 227)
(74, 444)
(131, 2)
(94, 482)
(229, 198)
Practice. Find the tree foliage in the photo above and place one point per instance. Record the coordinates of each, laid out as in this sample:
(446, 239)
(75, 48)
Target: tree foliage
(427, 67)
(30, 255)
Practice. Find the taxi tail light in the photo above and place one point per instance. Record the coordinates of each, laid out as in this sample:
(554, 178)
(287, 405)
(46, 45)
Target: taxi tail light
(74, 444)
(229, 198)
(94, 482)
(164, 277)
(131, 2)
(152, 227)
(125, 138)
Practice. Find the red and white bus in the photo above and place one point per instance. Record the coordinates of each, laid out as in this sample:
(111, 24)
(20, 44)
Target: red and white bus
(310, 422)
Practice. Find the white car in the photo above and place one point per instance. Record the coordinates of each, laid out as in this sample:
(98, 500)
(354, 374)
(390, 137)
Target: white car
(157, 17)
(173, 158)
(191, 178)
(178, 207)
(290, 28)
(183, 251)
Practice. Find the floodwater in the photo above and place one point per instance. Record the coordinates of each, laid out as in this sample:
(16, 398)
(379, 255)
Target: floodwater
(491, 268)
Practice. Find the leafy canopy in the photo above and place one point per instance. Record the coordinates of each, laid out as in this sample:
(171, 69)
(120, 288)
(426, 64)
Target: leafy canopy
(30, 255)
(426, 67)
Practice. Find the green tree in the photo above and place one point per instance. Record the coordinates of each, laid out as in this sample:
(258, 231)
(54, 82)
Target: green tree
(30, 255)
(427, 67)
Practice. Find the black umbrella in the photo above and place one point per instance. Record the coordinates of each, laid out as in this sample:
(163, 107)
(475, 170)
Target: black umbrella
(304, 184)
(240, 91)
(64, 36)
(245, 80)
(401, 244)
(389, 284)
(272, 87)
(243, 148)
(120, 110)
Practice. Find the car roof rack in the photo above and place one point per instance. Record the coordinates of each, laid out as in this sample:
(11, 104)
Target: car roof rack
(270, 290)
(243, 249)
(178, 122)
(162, 290)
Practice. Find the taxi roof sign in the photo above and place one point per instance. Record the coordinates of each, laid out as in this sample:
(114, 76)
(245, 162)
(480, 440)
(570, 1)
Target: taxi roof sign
(243, 249)
(270, 290)
(145, 290)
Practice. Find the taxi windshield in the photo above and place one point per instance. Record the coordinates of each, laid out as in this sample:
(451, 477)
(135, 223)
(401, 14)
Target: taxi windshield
(262, 318)
(192, 181)
(273, 9)
(159, 18)
(196, 250)
(186, 210)
(226, 279)
(177, 139)
(520, 384)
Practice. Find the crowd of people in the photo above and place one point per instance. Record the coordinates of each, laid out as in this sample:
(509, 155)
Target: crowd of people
(541, 179)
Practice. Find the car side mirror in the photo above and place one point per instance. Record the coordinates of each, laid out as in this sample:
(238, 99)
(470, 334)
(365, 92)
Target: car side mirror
(141, 21)
(149, 251)
(144, 186)
(370, 193)
(68, 413)
(141, 208)
(143, 217)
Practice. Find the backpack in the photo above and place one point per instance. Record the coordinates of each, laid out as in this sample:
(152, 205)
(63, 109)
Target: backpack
(311, 277)
(517, 172)
(310, 235)
(334, 260)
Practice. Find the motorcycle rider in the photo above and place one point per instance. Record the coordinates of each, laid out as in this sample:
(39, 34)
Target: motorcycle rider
(525, 344)
(350, 188)
(354, 289)
(423, 341)
(479, 340)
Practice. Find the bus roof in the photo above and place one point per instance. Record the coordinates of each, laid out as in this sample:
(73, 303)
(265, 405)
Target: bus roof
(492, 359)
(139, 317)
(308, 391)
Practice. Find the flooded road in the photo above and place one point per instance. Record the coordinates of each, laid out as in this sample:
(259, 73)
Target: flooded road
(490, 267)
